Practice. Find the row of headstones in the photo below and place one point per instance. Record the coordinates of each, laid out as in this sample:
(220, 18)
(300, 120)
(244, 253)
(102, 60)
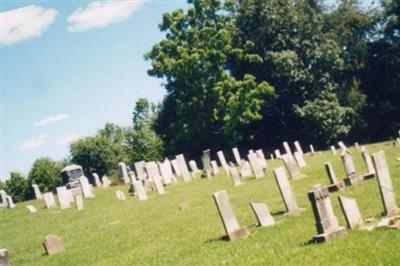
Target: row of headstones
(326, 221)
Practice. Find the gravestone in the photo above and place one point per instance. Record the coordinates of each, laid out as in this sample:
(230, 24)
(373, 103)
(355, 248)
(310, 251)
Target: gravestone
(86, 188)
(385, 184)
(10, 202)
(158, 184)
(231, 225)
(264, 217)
(343, 146)
(79, 202)
(272, 156)
(261, 158)
(97, 180)
(234, 175)
(236, 154)
(215, 168)
(131, 176)
(350, 170)
(245, 169)
(277, 154)
(3, 196)
(140, 171)
(36, 190)
(175, 166)
(357, 146)
(63, 197)
(193, 166)
(368, 163)
(326, 222)
(120, 195)
(255, 165)
(312, 149)
(140, 191)
(70, 195)
(223, 162)
(53, 244)
(351, 212)
(286, 191)
(4, 257)
(334, 183)
(106, 182)
(291, 166)
(49, 200)
(206, 161)
(31, 209)
(183, 167)
(398, 141)
(152, 170)
(299, 159)
(298, 147)
(333, 150)
(166, 171)
(123, 173)
(287, 148)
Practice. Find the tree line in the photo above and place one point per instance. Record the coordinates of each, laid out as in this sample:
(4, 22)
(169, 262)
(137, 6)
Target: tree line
(253, 73)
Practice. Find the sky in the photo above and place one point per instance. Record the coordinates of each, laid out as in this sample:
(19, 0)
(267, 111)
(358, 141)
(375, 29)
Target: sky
(67, 68)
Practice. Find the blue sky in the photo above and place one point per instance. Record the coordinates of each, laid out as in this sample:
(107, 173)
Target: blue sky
(67, 67)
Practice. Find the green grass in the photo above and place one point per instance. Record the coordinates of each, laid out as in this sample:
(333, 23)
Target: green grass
(157, 232)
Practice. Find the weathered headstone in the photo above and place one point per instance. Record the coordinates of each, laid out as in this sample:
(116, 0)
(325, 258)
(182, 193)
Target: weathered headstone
(97, 180)
(120, 195)
(86, 188)
(79, 202)
(140, 191)
(71, 195)
(223, 162)
(31, 209)
(193, 166)
(298, 147)
(53, 244)
(333, 149)
(4, 257)
(106, 182)
(334, 183)
(368, 163)
(343, 146)
(152, 170)
(287, 148)
(286, 190)
(10, 202)
(326, 222)
(272, 156)
(357, 145)
(49, 200)
(166, 171)
(312, 149)
(183, 167)
(264, 217)
(3, 197)
(158, 184)
(350, 170)
(245, 169)
(299, 159)
(261, 158)
(255, 165)
(206, 161)
(351, 212)
(231, 225)
(123, 172)
(277, 154)
(236, 154)
(215, 168)
(36, 190)
(175, 166)
(140, 171)
(385, 184)
(234, 175)
(63, 197)
(291, 166)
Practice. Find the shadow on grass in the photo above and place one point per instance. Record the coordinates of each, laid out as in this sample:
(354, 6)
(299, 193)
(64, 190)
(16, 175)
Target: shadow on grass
(278, 213)
(222, 238)
(309, 242)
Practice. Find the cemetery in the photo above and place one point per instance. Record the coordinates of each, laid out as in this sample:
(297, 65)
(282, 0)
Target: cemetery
(269, 216)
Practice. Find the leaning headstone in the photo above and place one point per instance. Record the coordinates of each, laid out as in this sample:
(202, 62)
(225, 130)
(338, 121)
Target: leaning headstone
(368, 162)
(326, 222)
(70, 195)
(350, 170)
(245, 169)
(63, 197)
(10, 202)
(215, 168)
(97, 180)
(206, 161)
(120, 195)
(175, 166)
(298, 147)
(351, 212)
(49, 200)
(193, 166)
(291, 166)
(53, 244)
(3, 197)
(223, 162)
(152, 170)
(343, 146)
(312, 149)
(255, 165)
(183, 167)
(79, 202)
(286, 190)
(277, 154)
(385, 184)
(166, 171)
(4, 257)
(86, 189)
(299, 159)
(139, 189)
(158, 184)
(31, 209)
(123, 172)
(231, 225)
(140, 171)
(333, 149)
(264, 217)
(236, 154)
(272, 156)
(36, 190)
(334, 183)
(357, 145)
(287, 148)
(261, 158)
(106, 182)
(234, 175)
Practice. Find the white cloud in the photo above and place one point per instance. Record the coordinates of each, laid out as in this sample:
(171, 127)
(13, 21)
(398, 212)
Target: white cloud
(51, 120)
(24, 23)
(34, 142)
(99, 14)
(67, 139)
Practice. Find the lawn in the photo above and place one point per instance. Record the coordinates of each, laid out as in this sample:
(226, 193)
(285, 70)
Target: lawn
(159, 232)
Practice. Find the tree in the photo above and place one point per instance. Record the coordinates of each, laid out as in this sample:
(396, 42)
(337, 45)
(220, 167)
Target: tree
(46, 173)
(18, 187)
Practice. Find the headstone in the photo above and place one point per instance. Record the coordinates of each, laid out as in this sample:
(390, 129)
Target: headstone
(326, 222)
(264, 217)
(287, 148)
(277, 154)
(31, 209)
(215, 168)
(333, 149)
(223, 162)
(245, 169)
(351, 212)
(348, 163)
(175, 166)
(106, 182)
(132, 176)
(272, 156)
(206, 161)
(398, 141)
(140, 191)
(70, 195)
(158, 184)
(357, 146)
(86, 189)
(343, 146)
(10, 202)
(291, 166)
(97, 180)
(193, 166)
(79, 202)
(3, 196)
(123, 173)
(4, 257)
(63, 197)
(334, 183)
(236, 154)
(298, 147)
(152, 170)
(231, 225)
(140, 171)
(49, 200)
(286, 190)
(368, 162)
(261, 158)
(36, 190)
(183, 167)
(312, 149)
(120, 195)
(234, 175)
(166, 171)
(385, 184)
(53, 244)
(299, 159)
(255, 165)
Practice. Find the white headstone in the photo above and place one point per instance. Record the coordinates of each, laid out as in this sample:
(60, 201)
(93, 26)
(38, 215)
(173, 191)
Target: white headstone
(223, 162)
(215, 167)
(234, 175)
(106, 181)
(97, 180)
(175, 166)
(277, 153)
(331, 173)
(343, 146)
(236, 154)
(286, 190)
(63, 197)
(287, 148)
(183, 167)
(166, 171)
(264, 217)
(351, 212)
(79, 202)
(31, 209)
(245, 169)
(140, 171)
(291, 166)
(120, 195)
(123, 172)
(193, 166)
(312, 149)
(368, 162)
(158, 184)
(299, 159)
(10, 202)
(49, 200)
(333, 149)
(86, 189)
(140, 191)
(255, 165)
(348, 164)
(261, 158)
(38, 194)
(298, 147)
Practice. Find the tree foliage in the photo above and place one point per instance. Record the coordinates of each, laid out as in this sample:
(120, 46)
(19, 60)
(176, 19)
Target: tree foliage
(46, 173)
(18, 187)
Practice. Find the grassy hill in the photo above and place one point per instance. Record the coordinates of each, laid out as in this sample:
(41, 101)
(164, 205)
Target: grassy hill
(158, 232)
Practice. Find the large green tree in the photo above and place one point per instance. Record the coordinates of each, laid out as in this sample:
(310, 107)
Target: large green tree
(46, 173)
(18, 187)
